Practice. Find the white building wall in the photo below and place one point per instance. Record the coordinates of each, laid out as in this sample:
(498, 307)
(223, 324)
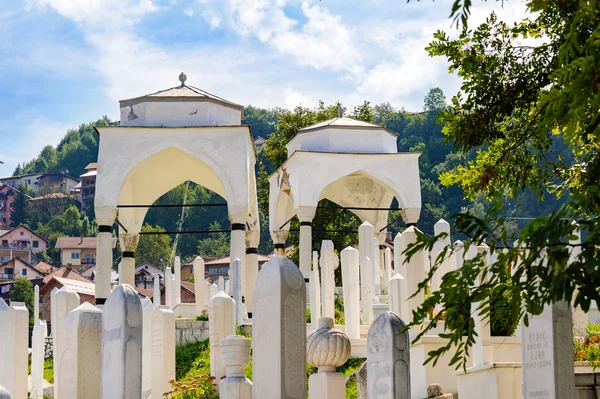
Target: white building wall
(170, 113)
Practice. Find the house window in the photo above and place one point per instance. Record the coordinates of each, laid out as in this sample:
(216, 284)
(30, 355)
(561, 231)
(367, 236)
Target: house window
(9, 271)
(74, 255)
(24, 272)
(89, 259)
(223, 270)
(36, 244)
(4, 242)
(213, 270)
(22, 233)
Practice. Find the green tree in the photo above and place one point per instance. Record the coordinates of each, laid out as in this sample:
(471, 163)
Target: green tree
(216, 245)
(20, 213)
(153, 248)
(22, 291)
(529, 113)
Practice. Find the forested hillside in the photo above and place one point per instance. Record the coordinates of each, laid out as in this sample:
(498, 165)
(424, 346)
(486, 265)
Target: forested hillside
(418, 132)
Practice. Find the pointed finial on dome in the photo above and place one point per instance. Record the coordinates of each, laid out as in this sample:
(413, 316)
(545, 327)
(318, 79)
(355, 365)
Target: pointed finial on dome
(340, 111)
(182, 78)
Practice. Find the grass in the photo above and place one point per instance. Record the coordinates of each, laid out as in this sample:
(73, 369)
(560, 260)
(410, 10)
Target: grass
(48, 369)
(194, 359)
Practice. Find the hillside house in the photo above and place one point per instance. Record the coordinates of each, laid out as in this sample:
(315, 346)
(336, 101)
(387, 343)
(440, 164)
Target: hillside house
(80, 252)
(21, 242)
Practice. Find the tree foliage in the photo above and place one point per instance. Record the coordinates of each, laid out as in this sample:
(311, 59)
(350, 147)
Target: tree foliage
(528, 110)
(153, 248)
(19, 214)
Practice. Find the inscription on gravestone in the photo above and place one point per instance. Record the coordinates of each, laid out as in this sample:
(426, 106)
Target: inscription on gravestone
(547, 345)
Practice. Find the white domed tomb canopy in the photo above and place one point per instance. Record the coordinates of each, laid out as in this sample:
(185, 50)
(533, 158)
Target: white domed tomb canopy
(180, 106)
(352, 163)
(165, 139)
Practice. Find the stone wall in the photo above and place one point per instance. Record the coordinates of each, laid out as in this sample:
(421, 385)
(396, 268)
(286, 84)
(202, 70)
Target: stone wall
(587, 384)
(190, 330)
(48, 348)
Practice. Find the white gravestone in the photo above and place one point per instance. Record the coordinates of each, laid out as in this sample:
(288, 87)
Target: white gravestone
(388, 269)
(156, 293)
(14, 336)
(482, 347)
(400, 268)
(163, 350)
(169, 288)
(329, 262)
(367, 285)
(214, 290)
(315, 291)
(38, 343)
(279, 331)
(80, 362)
(415, 270)
(547, 345)
(199, 285)
(376, 265)
(235, 274)
(53, 315)
(228, 287)
(327, 349)
(207, 296)
(65, 300)
(449, 264)
(221, 283)
(177, 279)
(147, 315)
(388, 358)
(221, 324)
(235, 353)
(4, 394)
(122, 345)
(351, 291)
(396, 295)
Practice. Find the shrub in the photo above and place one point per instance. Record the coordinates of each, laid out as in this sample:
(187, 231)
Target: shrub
(502, 322)
(194, 356)
(196, 387)
(588, 349)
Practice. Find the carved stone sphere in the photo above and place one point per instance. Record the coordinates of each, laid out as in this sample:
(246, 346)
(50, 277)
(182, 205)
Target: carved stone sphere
(326, 347)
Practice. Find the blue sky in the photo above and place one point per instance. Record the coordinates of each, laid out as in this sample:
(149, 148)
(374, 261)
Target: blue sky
(66, 62)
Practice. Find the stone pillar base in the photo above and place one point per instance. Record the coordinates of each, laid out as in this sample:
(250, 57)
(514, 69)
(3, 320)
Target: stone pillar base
(327, 386)
(235, 388)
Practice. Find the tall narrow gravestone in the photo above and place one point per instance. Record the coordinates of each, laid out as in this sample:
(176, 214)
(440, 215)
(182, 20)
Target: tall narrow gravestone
(14, 333)
(200, 285)
(163, 350)
(148, 313)
(80, 361)
(38, 339)
(122, 345)
(329, 262)
(547, 344)
(64, 301)
(351, 290)
(388, 358)
(221, 324)
(279, 331)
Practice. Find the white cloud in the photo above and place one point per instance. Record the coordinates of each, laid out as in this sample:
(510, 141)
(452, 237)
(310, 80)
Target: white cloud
(188, 12)
(293, 98)
(211, 17)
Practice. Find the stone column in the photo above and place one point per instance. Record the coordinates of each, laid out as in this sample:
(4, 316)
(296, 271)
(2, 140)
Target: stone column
(327, 349)
(251, 269)
(238, 244)
(279, 238)
(177, 280)
(315, 291)
(329, 262)
(14, 333)
(236, 288)
(199, 285)
(169, 288)
(221, 324)
(396, 296)
(235, 352)
(122, 345)
(80, 362)
(38, 341)
(147, 315)
(279, 331)
(105, 217)
(387, 255)
(305, 215)
(156, 294)
(351, 289)
(129, 243)
(367, 288)
(65, 301)
(388, 359)
(163, 350)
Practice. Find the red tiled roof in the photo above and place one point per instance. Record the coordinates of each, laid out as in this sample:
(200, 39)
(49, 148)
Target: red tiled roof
(226, 261)
(43, 267)
(147, 293)
(28, 229)
(64, 272)
(79, 243)
(189, 286)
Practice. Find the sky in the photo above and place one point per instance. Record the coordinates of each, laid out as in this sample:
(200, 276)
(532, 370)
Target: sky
(67, 62)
